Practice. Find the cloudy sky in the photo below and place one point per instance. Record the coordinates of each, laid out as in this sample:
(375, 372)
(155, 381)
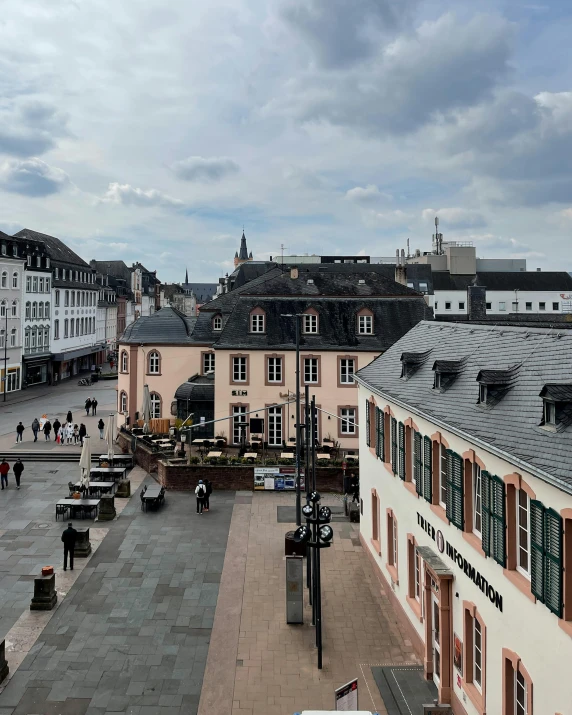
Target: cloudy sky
(154, 131)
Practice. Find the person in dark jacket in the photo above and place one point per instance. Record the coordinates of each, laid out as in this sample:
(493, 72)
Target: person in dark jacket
(208, 492)
(200, 493)
(47, 429)
(69, 538)
(18, 468)
(57, 425)
(101, 427)
(87, 405)
(82, 432)
(35, 428)
(94, 406)
(69, 417)
(19, 432)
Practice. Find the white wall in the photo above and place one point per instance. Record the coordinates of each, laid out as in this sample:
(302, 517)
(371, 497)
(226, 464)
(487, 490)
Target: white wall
(69, 312)
(496, 298)
(529, 629)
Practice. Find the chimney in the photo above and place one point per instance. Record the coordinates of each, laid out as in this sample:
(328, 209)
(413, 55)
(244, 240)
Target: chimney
(294, 273)
(476, 302)
(400, 268)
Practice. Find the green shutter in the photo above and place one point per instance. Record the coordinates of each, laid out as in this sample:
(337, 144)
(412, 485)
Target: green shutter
(455, 489)
(401, 451)
(427, 470)
(367, 420)
(394, 444)
(487, 516)
(537, 549)
(498, 520)
(380, 434)
(417, 463)
(553, 561)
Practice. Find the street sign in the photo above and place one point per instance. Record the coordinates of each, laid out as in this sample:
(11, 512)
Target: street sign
(347, 697)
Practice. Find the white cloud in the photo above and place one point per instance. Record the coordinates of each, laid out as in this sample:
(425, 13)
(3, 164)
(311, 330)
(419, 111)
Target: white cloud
(201, 168)
(367, 194)
(454, 218)
(127, 195)
(32, 177)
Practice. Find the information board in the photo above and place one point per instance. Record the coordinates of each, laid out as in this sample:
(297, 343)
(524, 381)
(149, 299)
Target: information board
(347, 697)
(277, 478)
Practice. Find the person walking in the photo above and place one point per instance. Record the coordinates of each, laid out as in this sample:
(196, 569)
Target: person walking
(61, 438)
(101, 427)
(4, 469)
(69, 538)
(19, 432)
(69, 433)
(82, 433)
(87, 405)
(35, 428)
(47, 429)
(208, 492)
(75, 434)
(200, 493)
(57, 425)
(69, 416)
(93, 406)
(18, 469)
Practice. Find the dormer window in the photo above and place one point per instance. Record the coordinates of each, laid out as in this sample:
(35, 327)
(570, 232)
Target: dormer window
(494, 384)
(557, 405)
(411, 362)
(437, 381)
(257, 321)
(217, 322)
(483, 393)
(310, 324)
(549, 413)
(446, 372)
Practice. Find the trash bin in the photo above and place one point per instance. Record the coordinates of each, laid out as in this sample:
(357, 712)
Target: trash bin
(291, 547)
(94, 377)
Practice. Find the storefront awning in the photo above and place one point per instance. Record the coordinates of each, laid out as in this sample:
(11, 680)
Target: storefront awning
(434, 562)
(31, 359)
(80, 352)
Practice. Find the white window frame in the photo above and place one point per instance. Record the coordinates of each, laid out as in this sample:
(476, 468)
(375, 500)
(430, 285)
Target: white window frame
(123, 401)
(556, 305)
(522, 533)
(311, 371)
(477, 651)
(154, 363)
(442, 476)
(275, 370)
(417, 571)
(14, 309)
(394, 538)
(483, 393)
(217, 322)
(13, 337)
(239, 369)
(526, 304)
(365, 324)
(448, 305)
(310, 324)
(347, 421)
(155, 405)
(549, 412)
(257, 323)
(477, 500)
(347, 370)
(4, 280)
(208, 363)
(275, 426)
(238, 415)
(502, 305)
(520, 706)
(124, 361)
(15, 280)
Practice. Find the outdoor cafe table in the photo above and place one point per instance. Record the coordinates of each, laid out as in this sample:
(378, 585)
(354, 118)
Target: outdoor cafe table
(200, 441)
(251, 455)
(98, 486)
(72, 505)
(118, 460)
(108, 473)
(352, 456)
(323, 455)
(286, 455)
(151, 495)
(214, 454)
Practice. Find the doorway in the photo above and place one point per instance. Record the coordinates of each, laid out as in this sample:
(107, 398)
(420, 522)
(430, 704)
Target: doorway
(436, 638)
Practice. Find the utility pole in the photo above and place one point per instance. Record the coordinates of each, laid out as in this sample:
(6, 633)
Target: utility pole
(298, 431)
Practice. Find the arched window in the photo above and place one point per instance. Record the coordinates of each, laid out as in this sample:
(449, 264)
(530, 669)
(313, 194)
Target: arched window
(46, 310)
(154, 363)
(3, 309)
(123, 401)
(28, 307)
(34, 310)
(155, 405)
(4, 279)
(257, 320)
(217, 322)
(15, 279)
(14, 308)
(27, 339)
(40, 337)
(41, 310)
(2, 337)
(67, 298)
(364, 322)
(124, 361)
(34, 337)
(46, 337)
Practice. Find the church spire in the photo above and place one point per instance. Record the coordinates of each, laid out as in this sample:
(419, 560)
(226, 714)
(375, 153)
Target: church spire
(187, 275)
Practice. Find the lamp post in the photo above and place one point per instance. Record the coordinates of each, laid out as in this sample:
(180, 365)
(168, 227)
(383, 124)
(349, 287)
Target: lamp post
(5, 378)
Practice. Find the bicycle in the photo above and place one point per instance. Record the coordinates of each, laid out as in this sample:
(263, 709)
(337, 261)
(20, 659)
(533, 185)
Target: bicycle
(84, 381)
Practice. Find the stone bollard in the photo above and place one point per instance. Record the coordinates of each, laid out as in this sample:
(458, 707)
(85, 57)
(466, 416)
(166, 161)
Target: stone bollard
(45, 596)
(4, 669)
(82, 544)
(123, 489)
(106, 508)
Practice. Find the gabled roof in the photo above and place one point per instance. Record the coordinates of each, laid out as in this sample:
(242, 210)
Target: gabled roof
(166, 326)
(510, 428)
(57, 250)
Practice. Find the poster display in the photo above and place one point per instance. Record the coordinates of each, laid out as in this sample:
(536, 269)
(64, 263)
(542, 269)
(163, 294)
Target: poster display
(347, 697)
(277, 478)
(458, 653)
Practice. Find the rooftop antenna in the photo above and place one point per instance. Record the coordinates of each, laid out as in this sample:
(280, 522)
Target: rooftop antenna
(408, 254)
(282, 247)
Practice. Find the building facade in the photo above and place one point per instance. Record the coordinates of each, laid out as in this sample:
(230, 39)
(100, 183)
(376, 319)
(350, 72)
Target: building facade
(466, 500)
(37, 315)
(11, 276)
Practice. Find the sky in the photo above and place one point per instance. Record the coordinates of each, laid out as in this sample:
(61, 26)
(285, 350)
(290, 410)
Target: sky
(155, 132)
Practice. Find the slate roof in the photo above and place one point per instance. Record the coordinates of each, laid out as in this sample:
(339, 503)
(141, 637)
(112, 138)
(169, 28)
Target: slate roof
(393, 317)
(512, 427)
(165, 327)
(199, 388)
(505, 280)
(113, 268)
(57, 250)
(204, 292)
(559, 392)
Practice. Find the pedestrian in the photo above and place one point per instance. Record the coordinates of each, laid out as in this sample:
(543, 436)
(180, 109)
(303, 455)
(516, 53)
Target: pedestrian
(93, 406)
(200, 493)
(35, 428)
(101, 427)
(19, 432)
(87, 405)
(4, 469)
(208, 492)
(69, 538)
(61, 435)
(355, 494)
(69, 416)
(69, 433)
(18, 469)
(75, 434)
(57, 425)
(47, 429)
(82, 432)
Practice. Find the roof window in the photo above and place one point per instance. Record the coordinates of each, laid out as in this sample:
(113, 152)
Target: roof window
(557, 406)
(310, 281)
(411, 362)
(495, 383)
(445, 373)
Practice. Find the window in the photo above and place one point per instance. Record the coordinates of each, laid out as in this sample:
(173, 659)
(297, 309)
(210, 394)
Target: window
(347, 425)
(423, 287)
(238, 429)
(437, 381)
(27, 339)
(436, 304)
(489, 306)
(41, 285)
(14, 280)
(365, 324)
(4, 249)
(57, 299)
(208, 363)
(13, 337)
(520, 695)
(35, 284)
(63, 274)
(417, 567)
(549, 412)
(4, 282)
(547, 569)
(418, 462)
(392, 545)
(154, 363)
(28, 310)
(310, 324)
(443, 459)
(57, 273)
(542, 306)
(477, 654)
(483, 393)
(73, 298)
(555, 306)
(275, 369)
(46, 337)
(523, 532)
(72, 328)
(528, 306)
(447, 305)
(239, 369)
(47, 285)
(275, 426)
(347, 371)
(66, 328)
(40, 338)
(14, 313)
(461, 305)
(41, 310)
(155, 405)
(34, 310)
(29, 284)
(217, 322)
(502, 305)
(515, 306)
(311, 370)
(477, 501)
(66, 298)
(401, 451)
(38, 261)
(123, 401)
(2, 337)
(56, 329)
(46, 310)
(517, 685)
(257, 323)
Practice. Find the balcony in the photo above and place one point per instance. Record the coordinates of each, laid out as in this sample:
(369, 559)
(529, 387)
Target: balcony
(36, 351)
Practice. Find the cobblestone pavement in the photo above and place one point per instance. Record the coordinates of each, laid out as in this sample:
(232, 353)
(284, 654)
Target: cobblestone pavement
(270, 668)
(132, 634)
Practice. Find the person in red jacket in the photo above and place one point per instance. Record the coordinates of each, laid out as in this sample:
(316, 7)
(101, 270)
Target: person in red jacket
(4, 469)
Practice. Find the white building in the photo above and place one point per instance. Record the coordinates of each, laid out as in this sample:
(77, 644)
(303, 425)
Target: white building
(36, 314)
(466, 500)
(11, 274)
